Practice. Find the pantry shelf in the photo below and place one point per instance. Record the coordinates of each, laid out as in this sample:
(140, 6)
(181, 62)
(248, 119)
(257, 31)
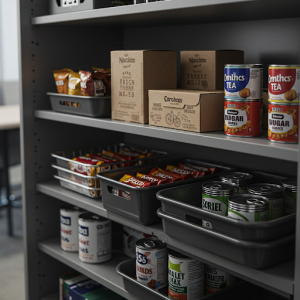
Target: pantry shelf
(256, 146)
(177, 12)
(104, 273)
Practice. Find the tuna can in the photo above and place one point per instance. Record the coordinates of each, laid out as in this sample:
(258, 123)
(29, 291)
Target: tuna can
(290, 196)
(274, 193)
(215, 198)
(284, 83)
(216, 280)
(244, 81)
(69, 227)
(250, 208)
(241, 180)
(94, 238)
(186, 277)
(243, 118)
(283, 119)
(152, 262)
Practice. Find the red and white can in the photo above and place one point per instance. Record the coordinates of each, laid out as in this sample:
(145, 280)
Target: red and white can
(243, 118)
(284, 83)
(283, 122)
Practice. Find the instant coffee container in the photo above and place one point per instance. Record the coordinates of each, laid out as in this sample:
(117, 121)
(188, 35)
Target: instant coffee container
(249, 208)
(274, 193)
(215, 198)
(241, 180)
(290, 196)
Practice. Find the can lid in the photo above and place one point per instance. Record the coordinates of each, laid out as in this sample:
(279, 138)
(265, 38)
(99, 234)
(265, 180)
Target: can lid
(90, 217)
(266, 189)
(150, 243)
(249, 201)
(217, 187)
(244, 65)
(71, 208)
(290, 184)
(243, 179)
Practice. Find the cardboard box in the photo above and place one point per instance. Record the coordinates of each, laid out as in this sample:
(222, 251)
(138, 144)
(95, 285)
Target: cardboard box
(197, 111)
(134, 73)
(204, 70)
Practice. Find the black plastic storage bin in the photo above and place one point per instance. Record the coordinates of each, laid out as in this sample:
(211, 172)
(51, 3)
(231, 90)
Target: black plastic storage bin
(143, 204)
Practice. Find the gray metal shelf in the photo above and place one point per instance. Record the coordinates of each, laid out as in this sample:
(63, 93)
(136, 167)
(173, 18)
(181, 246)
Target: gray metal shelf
(54, 296)
(104, 273)
(177, 12)
(256, 146)
(279, 279)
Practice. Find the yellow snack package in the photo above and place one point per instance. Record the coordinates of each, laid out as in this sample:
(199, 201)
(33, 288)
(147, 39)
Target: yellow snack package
(74, 87)
(61, 80)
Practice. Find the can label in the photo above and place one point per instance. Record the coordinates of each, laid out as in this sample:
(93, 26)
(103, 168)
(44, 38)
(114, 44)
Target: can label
(152, 267)
(284, 84)
(94, 241)
(276, 208)
(243, 82)
(214, 204)
(283, 123)
(290, 200)
(186, 279)
(258, 216)
(216, 280)
(243, 118)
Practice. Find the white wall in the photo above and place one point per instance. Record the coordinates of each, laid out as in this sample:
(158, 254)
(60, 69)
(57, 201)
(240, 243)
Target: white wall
(9, 62)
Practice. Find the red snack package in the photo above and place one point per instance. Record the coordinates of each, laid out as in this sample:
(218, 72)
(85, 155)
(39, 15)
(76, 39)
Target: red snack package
(182, 172)
(208, 171)
(105, 159)
(119, 157)
(166, 175)
(136, 182)
(157, 180)
(195, 173)
(87, 166)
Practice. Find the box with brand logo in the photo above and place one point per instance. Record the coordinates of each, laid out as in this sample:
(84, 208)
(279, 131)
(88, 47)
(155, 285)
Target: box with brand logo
(134, 73)
(204, 70)
(197, 111)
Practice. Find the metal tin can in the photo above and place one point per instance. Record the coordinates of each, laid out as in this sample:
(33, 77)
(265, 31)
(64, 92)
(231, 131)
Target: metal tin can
(283, 119)
(69, 227)
(186, 277)
(243, 118)
(284, 83)
(215, 198)
(94, 238)
(241, 180)
(290, 195)
(152, 262)
(274, 193)
(215, 279)
(243, 81)
(250, 208)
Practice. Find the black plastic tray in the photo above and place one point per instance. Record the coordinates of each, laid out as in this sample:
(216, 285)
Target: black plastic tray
(239, 291)
(185, 203)
(143, 204)
(255, 255)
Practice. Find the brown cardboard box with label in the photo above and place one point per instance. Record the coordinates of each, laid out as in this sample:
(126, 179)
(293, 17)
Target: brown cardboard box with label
(204, 70)
(197, 111)
(134, 73)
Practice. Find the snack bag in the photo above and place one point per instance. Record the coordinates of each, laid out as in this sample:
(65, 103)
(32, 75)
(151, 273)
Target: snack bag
(136, 182)
(150, 178)
(87, 166)
(105, 159)
(119, 157)
(61, 80)
(74, 84)
(186, 173)
(102, 81)
(87, 83)
(165, 175)
(208, 171)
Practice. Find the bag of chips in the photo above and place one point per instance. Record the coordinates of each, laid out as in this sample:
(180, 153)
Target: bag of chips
(61, 80)
(74, 84)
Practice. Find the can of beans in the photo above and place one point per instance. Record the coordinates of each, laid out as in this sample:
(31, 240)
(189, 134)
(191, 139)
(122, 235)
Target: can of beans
(240, 179)
(216, 280)
(69, 227)
(249, 208)
(284, 83)
(274, 193)
(283, 119)
(243, 118)
(290, 196)
(243, 82)
(215, 198)
(186, 277)
(152, 262)
(94, 238)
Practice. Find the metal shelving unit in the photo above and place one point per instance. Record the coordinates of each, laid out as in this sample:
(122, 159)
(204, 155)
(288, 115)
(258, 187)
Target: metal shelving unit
(58, 41)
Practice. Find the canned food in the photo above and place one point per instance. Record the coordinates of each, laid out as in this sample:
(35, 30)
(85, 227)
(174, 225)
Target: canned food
(243, 81)
(274, 193)
(152, 262)
(69, 227)
(241, 180)
(284, 83)
(250, 208)
(215, 198)
(94, 238)
(215, 279)
(283, 122)
(243, 118)
(186, 277)
(290, 196)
